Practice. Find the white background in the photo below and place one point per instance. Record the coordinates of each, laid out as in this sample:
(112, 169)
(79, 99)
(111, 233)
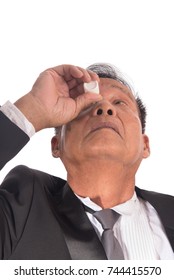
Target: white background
(134, 35)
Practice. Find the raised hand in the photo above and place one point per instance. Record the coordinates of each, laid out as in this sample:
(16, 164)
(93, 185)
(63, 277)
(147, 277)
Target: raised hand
(57, 96)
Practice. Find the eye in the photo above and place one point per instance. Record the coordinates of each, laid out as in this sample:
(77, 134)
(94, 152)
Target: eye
(119, 102)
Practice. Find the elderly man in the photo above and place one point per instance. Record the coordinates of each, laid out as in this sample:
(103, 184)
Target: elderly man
(101, 140)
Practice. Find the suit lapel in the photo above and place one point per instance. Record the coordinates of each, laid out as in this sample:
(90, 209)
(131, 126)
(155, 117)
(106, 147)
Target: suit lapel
(164, 205)
(80, 236)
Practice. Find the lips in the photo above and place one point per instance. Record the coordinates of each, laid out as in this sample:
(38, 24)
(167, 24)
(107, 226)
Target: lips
(108, 125)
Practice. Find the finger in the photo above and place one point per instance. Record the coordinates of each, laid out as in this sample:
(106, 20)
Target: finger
(79, 83)
(72, 83)
(74, 75)
(78, 72)
(94, 76)
(89, 75)
(67, 71)
(81, 74)
(76, 91)
(85, 100)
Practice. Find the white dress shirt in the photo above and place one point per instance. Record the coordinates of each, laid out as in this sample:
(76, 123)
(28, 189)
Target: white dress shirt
(139, 229)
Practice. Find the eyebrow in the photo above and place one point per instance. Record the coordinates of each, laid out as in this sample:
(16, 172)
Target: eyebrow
(124, 91)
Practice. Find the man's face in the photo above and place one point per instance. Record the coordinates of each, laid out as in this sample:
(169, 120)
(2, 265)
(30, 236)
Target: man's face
(109, 130)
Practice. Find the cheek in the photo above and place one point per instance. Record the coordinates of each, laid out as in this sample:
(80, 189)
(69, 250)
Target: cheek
(131, 121)
(70, 138)
(133, 131)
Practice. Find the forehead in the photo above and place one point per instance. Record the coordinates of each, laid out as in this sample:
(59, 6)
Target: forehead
(108, 84)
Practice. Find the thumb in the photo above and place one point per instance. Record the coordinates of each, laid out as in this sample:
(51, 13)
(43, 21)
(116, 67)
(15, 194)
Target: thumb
(85, 100)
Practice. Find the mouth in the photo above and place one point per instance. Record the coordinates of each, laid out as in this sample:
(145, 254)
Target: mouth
(105, 125)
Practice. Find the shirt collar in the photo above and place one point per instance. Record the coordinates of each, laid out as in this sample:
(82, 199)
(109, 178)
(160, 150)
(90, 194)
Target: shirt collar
(127, 208)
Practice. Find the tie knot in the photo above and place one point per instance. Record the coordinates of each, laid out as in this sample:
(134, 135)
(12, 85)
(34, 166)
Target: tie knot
(107, 217)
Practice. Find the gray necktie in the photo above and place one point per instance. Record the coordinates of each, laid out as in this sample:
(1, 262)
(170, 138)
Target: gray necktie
(107, 218)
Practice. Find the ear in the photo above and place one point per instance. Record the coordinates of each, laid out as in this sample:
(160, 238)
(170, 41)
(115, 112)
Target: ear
(55, 147)
(146, 152)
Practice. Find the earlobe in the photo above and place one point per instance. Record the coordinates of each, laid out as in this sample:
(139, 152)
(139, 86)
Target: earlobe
(146, 152)
(55, 147)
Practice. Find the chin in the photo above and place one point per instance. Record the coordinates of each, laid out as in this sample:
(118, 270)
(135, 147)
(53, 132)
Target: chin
(103, 153)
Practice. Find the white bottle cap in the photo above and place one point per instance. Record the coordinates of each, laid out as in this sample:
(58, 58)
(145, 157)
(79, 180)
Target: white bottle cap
(92, 87)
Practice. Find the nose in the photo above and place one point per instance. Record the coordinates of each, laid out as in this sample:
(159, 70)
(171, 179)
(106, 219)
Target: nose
(104, 108)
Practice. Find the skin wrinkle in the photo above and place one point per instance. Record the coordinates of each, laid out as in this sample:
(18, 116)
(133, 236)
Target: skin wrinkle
(120, 87)
(103, 160)
(85, 111)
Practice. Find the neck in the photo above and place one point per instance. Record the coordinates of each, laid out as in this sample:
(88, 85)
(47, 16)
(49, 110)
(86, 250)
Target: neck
(106, 184)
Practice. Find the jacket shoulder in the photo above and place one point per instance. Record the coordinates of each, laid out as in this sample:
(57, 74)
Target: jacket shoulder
(22, 183)
(23, 195)
(152, 195)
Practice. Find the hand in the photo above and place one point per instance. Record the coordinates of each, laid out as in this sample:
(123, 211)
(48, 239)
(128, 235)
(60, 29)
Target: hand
(57, 96)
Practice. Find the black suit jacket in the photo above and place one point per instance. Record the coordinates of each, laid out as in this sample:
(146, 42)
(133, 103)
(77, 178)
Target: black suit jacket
(41, 218)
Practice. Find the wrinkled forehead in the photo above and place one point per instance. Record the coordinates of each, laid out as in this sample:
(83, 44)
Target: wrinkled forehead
(108, 83)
